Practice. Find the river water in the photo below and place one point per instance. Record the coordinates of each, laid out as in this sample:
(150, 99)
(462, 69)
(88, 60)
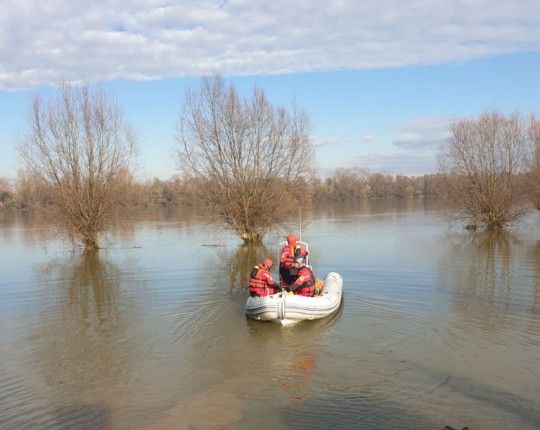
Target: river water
(438, 326)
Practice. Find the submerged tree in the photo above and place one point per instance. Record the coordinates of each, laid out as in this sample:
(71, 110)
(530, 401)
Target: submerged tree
(533, 183)
(80, 153)
(245, 155)
(483, 161)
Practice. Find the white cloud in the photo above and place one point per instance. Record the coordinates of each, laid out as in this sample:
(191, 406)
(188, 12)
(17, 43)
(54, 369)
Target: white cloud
(400, 163)
(330, 141)
(417, 145)
(41, 42)
(320, 142)
(367, 138)
(420, 144)
(422, 135)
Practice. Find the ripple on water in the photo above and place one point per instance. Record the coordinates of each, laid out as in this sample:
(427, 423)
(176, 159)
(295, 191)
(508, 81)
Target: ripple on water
(211, 409)
(431, 332)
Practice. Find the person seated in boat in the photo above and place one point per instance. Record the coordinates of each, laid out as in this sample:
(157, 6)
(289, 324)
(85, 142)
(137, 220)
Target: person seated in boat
(261, 283)
(288, 269)
(304, 285)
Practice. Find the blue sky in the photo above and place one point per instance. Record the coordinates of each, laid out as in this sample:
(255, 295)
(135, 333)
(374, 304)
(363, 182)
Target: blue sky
(379, 80)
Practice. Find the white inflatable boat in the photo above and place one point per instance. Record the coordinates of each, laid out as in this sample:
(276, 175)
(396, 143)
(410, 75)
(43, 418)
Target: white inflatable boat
(282, 307)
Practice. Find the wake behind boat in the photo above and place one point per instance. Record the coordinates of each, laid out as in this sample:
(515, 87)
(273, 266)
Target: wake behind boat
(283, 307)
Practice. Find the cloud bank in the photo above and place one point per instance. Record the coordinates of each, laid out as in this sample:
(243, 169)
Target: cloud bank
(42, 42)
(320, 142)
(417, 145)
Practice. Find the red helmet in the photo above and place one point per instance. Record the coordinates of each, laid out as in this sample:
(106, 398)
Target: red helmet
(268, 263)
(291, 239)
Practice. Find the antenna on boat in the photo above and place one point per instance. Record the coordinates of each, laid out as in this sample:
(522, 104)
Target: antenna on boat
(300, 221)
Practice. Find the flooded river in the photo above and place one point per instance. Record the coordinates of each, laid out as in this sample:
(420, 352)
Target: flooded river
(438, 326)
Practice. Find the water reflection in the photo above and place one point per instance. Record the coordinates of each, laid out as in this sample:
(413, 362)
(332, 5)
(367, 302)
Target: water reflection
(436, 329)
(373, 207)
(534, 256)
(296, 349)
(239, 376)
(87, 336)
(235, 265)
(491, 279)
(35, 228)
(480, 268)
(532, 328)
(488, 285)
(23, 226)
(161, 218)
(88, 288)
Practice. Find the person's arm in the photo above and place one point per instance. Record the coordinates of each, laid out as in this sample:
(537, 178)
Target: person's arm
(303, 277)
(268, 278)
(298, 283)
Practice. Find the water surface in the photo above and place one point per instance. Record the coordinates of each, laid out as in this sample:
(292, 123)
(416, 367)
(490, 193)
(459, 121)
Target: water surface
(438, 326)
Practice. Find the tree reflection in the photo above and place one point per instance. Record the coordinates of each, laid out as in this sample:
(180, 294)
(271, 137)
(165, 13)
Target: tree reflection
(235, 265)
(533, 327)
(85, 330)
(483, 273)
(487, 256)
(24, 226)
(491, 265)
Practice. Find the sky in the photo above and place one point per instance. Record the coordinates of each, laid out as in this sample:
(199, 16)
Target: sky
(380, 80)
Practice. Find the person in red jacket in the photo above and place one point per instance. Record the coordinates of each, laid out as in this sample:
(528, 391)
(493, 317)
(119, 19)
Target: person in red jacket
(288, 269)
(305, 282)
(261, 283)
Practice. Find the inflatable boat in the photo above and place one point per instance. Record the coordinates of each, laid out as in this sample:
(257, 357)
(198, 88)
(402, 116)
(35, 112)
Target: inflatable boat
(284, 308)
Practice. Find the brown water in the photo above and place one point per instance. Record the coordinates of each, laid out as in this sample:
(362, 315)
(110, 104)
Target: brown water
(437, 327)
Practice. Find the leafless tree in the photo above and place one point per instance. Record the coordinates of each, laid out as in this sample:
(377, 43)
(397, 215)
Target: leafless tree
(6, 193)
(348, 183)
(533, 182)
(482, 161)
(402, 186)
(245, 155)
(80, 153)
(380, 185)
(433, 184)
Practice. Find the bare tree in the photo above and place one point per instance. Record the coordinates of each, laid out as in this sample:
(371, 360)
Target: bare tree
(404, 186)
(80, 153)
(244, 154)
(380, 185)
(6, 193)
(482, 161)
(348, 183)
(533, 184)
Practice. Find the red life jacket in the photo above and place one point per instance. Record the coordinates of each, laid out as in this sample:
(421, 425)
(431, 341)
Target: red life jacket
(287, 257)
(307, 288)
(258, 282)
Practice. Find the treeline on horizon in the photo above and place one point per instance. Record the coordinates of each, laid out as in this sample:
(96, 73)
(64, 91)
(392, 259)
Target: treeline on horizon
(344, 184)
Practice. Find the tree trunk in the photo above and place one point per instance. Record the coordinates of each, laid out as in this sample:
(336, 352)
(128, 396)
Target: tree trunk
(251, 238)
(90, 241)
